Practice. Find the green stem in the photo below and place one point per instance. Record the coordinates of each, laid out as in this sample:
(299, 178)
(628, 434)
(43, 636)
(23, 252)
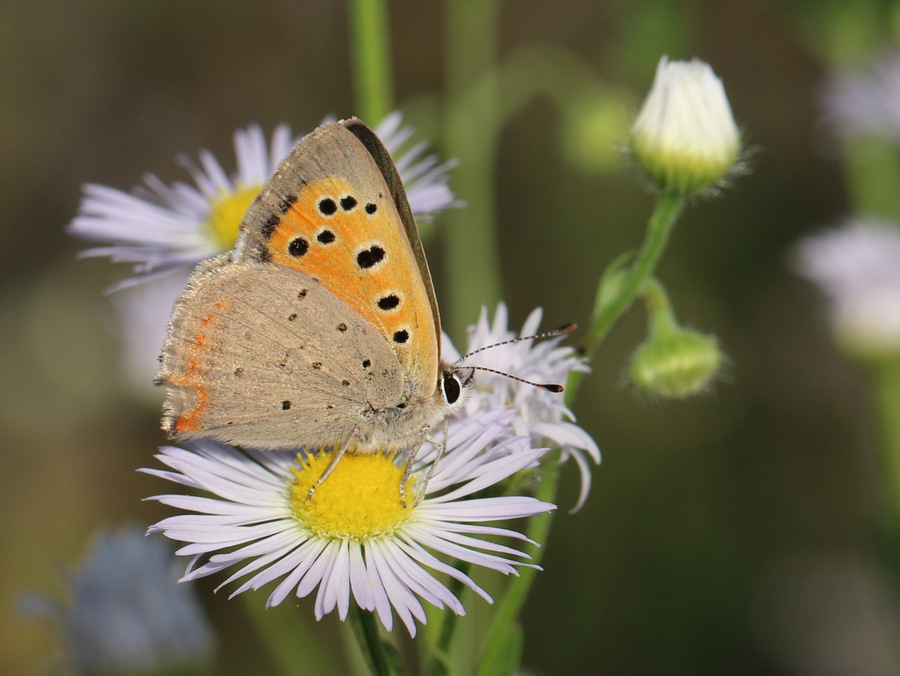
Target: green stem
(382, 659)
(873, 174)
(446, 623)
(472, 262)
(607, 311)
(886, 382)
(371, 53)
(507, 612)
(664, 216)
(660, 317)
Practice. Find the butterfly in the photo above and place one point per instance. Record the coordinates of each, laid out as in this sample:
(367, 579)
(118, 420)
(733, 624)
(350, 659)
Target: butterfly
(321, 328)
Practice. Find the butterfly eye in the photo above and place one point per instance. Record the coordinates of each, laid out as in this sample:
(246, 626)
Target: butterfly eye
(452, 387)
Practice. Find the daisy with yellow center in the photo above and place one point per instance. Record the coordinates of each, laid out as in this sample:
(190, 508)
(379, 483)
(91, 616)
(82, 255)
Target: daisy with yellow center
(354, 539)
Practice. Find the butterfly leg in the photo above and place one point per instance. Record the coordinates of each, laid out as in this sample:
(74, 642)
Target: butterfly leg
(441, 447)
(328, 470)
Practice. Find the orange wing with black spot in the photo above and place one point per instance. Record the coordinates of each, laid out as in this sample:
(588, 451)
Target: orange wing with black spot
(335, 210)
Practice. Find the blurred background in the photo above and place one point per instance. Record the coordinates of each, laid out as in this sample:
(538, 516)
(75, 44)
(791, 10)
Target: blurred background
(741, 531)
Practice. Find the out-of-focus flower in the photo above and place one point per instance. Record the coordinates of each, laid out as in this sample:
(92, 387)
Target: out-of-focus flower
(126, 614)
(685, 137)
(857, 267)
(866, 101)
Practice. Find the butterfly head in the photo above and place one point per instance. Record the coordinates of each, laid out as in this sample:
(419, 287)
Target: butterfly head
(454, 383)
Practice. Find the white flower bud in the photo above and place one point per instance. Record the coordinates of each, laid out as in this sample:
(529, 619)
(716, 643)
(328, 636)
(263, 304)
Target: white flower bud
(685, 136)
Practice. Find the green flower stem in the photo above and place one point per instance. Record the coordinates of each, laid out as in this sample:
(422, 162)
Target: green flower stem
(371, 53)
(504, 635)
(288, 640)
(873, 174)
(445, 623)
(470, 242)
(382, 658)
(606, 310)
(886, 387)
(659, 310)
(664, 216)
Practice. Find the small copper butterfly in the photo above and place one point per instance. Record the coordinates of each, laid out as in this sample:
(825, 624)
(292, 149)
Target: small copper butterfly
(321, 328)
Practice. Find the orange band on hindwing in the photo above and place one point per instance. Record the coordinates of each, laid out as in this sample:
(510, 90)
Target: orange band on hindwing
(190, 421)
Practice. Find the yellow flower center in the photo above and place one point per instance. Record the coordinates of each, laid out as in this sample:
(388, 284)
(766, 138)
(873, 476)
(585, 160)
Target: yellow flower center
(226, 214)
(359, 500)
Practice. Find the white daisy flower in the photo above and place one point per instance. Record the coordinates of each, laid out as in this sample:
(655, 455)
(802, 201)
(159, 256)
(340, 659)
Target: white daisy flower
(125, 612)
(857, 267)
(165, 230)
(866, 101)
(541, 417)
(353, 539)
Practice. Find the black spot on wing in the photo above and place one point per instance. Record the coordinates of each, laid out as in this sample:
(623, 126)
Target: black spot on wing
(327, 206)
(298, 247)
(389, 302)
(370, 257)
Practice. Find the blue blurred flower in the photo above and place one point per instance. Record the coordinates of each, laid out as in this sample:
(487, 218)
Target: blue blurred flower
(126, 614)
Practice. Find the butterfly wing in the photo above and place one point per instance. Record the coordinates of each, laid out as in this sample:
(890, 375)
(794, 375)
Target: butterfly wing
(266, 357)
(391, 176)
(335, 210)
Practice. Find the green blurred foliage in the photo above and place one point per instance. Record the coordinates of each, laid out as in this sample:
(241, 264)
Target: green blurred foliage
(732, 533)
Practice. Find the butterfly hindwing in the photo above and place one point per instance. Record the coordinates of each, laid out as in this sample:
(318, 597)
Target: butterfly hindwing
(250, 360)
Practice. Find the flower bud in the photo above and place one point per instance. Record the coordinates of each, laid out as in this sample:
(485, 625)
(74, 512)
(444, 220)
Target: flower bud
(675, 364)
(685, 137)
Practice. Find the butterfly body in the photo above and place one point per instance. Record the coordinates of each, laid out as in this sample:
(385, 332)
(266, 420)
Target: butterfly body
(321, 328)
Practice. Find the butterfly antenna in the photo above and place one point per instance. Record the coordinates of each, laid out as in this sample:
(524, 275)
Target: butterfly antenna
(550, 387)
(562, 330)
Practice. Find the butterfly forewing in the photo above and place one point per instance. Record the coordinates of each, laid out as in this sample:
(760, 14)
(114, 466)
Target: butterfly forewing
(329, 212)
(391, 177)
